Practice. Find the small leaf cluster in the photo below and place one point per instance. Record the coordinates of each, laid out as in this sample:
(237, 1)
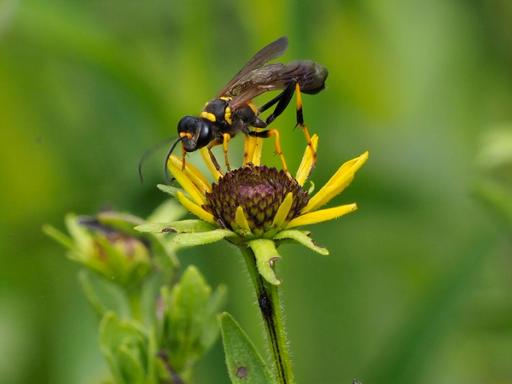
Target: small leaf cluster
(154, 324)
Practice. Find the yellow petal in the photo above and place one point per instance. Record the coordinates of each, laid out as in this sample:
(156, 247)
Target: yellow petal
(306, 164)
(184, 180)
(283, 210)
(248, 144)
(241, 220)
(209, 163)
(256, 155)
(193, 174)
(195, 209)
(252, 150)
(321, 215)
(337, 183)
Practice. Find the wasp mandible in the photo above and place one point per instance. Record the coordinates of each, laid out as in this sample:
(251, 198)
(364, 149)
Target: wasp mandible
(233, 111)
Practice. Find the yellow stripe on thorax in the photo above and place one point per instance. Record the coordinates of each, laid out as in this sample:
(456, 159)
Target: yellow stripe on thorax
(208, 116)
(227, 115)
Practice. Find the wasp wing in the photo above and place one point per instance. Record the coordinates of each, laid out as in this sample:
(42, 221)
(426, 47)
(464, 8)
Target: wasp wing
(309, 75)
(267, 53)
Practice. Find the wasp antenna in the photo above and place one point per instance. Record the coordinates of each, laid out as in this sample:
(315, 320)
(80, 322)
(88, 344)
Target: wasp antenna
(148, 152)
(169, 153)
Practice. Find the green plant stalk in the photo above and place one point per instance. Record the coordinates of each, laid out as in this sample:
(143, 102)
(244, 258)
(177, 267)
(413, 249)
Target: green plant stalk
(272, 313)
(135, 305)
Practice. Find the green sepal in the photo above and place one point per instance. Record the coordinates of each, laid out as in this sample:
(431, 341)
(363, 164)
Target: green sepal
(303, 238)
(266, 255)
(245, 365)
(200, 238)
(59, 236)
(183, 226)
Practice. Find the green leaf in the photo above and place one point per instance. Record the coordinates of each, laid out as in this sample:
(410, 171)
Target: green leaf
(201, 238)
(130, 366)
(183, 226)
(186, 313)
(127, 349)
(303, 238)
(245, 365)
(266, 256)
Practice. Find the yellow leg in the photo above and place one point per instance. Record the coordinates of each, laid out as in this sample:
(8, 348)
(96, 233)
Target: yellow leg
(277, 145)
(183, 151)
(300, 121)
(225, 142)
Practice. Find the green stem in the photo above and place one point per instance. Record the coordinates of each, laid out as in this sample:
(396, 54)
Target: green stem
(272, 313)
(134, 301)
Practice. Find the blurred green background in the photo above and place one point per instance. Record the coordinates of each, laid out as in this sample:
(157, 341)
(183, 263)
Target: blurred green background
(417, 288)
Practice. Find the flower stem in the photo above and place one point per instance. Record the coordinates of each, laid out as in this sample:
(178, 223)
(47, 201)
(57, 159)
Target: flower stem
(272, 313)
(134, 301)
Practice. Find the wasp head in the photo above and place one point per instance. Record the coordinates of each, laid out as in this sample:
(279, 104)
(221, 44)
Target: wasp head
(195, 132)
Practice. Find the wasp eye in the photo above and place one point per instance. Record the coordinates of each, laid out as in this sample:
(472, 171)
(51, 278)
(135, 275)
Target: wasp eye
(195, 132)
(187, 124)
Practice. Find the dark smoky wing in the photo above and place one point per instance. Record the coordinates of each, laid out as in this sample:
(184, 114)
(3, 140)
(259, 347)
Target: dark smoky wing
(267, 53)
(310, 76)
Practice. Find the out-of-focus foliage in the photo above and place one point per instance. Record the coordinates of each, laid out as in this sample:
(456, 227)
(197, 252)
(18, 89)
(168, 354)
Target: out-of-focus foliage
(417, 286)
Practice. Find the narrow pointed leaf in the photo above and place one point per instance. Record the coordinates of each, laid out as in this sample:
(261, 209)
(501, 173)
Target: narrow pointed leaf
(200, 238)
(58, 236)
(303, 238)
(183, 226)
(245, 365)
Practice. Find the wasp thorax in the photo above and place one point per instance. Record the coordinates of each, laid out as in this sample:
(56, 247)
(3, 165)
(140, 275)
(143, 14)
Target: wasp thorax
(259, 190)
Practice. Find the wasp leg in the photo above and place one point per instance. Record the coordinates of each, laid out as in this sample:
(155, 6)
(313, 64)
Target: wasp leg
(225, 142)
(212, 144)
(277, 143)
(300, 121)
(283, 99)
(183, 155)
(272, 102)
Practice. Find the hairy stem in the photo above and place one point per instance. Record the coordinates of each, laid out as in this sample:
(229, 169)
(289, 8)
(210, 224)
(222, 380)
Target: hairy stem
(272, 313)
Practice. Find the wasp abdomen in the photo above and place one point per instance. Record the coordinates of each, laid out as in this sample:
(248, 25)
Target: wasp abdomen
(310, 75)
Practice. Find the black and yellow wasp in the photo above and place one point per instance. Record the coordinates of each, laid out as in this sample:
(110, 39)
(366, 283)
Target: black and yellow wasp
(232, 110)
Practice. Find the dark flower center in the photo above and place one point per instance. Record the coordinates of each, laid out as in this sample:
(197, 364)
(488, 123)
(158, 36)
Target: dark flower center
(259, 190)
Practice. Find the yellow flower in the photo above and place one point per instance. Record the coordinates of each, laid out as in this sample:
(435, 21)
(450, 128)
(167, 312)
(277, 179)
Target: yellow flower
(199, 193)
(254, 205)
